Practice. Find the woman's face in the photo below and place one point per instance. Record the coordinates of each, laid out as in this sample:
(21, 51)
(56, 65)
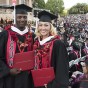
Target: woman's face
(44, 28)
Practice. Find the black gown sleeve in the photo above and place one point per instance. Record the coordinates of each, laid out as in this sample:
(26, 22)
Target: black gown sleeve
(4, 69)
(60, 62)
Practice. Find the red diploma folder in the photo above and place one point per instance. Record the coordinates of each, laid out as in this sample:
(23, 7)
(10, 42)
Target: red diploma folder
(24, 60)
(42, 76)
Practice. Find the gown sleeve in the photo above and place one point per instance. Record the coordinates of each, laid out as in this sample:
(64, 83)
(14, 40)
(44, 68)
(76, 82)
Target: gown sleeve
(4, 69)
(60, 62)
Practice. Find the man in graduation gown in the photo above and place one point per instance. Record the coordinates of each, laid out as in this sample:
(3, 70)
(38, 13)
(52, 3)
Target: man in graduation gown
(11, 77)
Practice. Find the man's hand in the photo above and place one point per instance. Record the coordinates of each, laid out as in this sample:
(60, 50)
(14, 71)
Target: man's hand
(45, 85)
(15, 71)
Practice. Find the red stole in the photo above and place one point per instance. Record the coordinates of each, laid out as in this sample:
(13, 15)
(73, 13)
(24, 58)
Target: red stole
(10, 52)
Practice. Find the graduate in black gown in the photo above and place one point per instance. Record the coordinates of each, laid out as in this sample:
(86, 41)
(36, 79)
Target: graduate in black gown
(51, 51)
(11, 77)
(82, 79)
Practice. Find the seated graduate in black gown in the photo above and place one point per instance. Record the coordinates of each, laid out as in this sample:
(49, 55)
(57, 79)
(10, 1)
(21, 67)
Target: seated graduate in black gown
(50, 52)
(15, 39)
(82, 79)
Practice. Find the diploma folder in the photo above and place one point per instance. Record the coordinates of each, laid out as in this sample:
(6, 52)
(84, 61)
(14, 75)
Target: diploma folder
(24, 60)
(42, 76)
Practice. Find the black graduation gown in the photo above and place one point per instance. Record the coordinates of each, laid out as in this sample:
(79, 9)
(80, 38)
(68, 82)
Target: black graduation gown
(22, 80)
(60, 62)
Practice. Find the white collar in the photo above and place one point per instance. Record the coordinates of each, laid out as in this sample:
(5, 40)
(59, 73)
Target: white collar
(18, 31)
(45, 40)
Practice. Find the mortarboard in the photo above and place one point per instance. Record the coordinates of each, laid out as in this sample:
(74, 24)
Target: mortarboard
(21, 9)
(46, 16)
(77, 44)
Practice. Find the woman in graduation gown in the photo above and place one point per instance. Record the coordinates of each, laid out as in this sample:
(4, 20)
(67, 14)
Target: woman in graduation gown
(51, 51)
(11, 77)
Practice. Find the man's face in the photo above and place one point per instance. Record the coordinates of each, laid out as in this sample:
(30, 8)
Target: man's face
(21, 20)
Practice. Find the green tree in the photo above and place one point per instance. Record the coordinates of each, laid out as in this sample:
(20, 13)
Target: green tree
(39, 4)
(55, 6)
(79, 8)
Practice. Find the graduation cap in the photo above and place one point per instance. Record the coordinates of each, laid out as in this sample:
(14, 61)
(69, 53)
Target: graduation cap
(77, 44)
(76, 35)
(22, 9)
(46, 16)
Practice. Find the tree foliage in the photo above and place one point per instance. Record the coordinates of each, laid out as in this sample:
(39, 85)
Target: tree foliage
(55, 6)
(79, 8)
(39, 4)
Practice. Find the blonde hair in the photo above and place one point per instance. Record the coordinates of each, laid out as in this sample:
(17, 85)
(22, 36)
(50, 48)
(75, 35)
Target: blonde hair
(53, 31)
